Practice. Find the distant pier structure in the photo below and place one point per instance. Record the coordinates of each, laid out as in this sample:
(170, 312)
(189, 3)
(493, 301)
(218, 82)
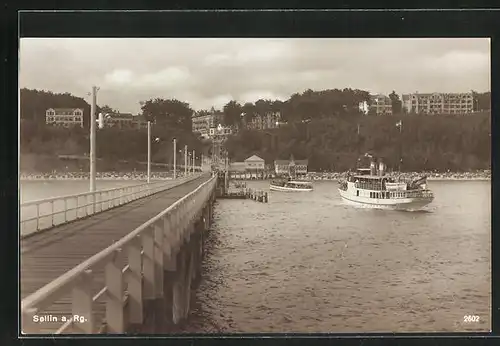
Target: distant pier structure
(225, 192)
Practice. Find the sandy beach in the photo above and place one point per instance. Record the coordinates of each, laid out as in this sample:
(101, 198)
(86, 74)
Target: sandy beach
(99, 176)
(466, 176)
(141, 176)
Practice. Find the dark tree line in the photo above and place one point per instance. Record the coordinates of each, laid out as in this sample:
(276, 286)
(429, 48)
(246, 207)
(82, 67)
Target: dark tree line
(438, 142)
(34, 104)
(172, 119)
(327, 128)
(299, 107)
(168, 113)
(319, 125)
(482, 101)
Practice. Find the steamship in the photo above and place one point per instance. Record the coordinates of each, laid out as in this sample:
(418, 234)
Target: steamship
(372, 188)
(291, 184)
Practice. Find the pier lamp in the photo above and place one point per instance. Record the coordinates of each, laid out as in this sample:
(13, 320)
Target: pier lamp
(92, 156)
(149, 151)
(175, 157)
(185, 159)
(101, 118)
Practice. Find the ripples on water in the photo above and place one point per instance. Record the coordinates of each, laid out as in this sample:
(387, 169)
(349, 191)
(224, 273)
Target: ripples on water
(305, 262)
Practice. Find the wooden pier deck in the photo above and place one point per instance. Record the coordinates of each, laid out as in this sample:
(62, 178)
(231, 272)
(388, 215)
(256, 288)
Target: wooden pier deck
(50, 253)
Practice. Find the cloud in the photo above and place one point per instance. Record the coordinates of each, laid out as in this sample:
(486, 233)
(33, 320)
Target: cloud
(218, 102)
(119, 77)
(209, 72)
(217, 60)
(461, 62)
(255, 95)
(169, 77)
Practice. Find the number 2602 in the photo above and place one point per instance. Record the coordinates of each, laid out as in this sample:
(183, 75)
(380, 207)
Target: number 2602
(471, 318)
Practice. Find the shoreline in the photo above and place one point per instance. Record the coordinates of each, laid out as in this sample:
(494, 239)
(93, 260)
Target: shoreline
(164, 176)
(97, 179)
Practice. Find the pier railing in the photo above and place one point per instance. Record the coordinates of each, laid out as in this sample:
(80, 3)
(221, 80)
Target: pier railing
(133, 271)
(50, 212)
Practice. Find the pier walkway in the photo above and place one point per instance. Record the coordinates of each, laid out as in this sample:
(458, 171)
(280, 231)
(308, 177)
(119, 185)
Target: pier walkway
(99, 273)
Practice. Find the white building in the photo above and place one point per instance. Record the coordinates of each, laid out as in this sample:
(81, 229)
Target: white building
(65, 117)
(363, 107)
(125, 121)
(269, 120)
(380, 104)
(439, 103)
(255, 164)
(220, 131)
(284, 167)
(203, 123)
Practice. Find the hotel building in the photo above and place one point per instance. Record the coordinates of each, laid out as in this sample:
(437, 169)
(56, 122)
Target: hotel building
(269, 120)
(203, 123)
(380, 104)
(65, 117)
(439, 103)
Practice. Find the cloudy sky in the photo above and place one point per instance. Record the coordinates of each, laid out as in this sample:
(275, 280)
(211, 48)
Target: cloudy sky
(210, 72)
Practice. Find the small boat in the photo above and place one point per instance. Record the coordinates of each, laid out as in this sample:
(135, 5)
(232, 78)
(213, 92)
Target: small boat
(291, 185)
(372, 188)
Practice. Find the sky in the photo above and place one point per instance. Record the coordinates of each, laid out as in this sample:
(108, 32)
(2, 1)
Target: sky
(208, 72)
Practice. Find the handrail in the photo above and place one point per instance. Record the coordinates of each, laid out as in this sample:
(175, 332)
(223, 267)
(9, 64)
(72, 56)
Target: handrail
(82, 194)
(184, 209)
(48, 210)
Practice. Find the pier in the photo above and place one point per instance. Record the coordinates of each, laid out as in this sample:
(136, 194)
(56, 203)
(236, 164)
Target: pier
(224, 190)
(116, 261)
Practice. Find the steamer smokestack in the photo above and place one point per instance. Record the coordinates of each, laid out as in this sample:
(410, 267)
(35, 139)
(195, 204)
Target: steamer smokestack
(381, 168)
(373, 168)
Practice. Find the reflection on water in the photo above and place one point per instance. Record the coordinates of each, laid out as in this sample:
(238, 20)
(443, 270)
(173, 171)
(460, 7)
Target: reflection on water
(305, 262)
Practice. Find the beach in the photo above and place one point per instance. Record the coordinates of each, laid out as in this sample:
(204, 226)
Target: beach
(469, 176)
(99, 176)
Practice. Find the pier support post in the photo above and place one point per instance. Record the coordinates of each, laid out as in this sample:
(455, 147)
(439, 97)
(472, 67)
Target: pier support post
(196, 249)
(169, 278)
(159, 299)
(178, 294)
(189, 277)
(148, 281)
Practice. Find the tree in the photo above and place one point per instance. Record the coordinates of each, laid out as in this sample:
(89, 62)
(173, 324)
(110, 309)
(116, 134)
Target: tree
(395, 102)
(168, 113)
(107, 110)
(262, 107)
(232, 113)
(482, 101)
(202, 112)
(34, 103)
(249, 111)
(428, 143)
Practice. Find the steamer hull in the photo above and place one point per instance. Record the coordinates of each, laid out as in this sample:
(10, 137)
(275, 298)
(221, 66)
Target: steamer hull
(400, 203)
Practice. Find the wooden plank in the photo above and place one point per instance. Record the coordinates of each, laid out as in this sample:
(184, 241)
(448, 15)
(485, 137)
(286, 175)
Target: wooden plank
(50, 253)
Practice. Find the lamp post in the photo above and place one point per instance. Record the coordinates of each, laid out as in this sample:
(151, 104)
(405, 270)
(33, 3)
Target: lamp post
(194, 158)
(185, 160)
(175, 158)
(92, 139)
(149, 151)
(189, 163)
